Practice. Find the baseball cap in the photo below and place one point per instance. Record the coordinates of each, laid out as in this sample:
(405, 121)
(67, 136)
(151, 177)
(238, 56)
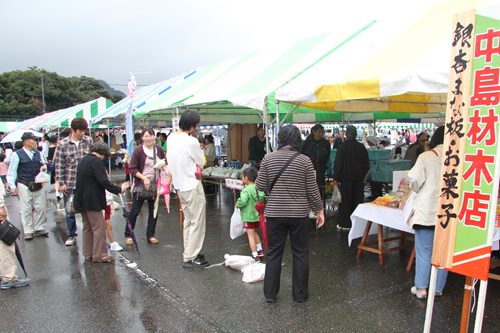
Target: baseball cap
(29, 135)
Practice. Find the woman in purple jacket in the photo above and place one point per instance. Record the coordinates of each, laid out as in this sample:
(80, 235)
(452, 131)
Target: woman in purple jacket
(142, 172)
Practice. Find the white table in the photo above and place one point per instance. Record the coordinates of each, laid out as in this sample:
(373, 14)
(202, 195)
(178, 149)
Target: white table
(375, 217)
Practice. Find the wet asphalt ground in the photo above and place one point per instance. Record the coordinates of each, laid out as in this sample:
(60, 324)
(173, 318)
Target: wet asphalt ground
(152, 292)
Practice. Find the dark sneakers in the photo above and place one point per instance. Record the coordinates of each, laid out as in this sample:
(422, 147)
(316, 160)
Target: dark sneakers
(260, 253)
(198, 262)
(14, 284)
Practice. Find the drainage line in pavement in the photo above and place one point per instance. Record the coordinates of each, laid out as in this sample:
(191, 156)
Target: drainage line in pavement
(190, 311)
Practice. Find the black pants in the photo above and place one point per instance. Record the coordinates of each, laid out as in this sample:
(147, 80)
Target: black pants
(352, 192)
(277, 232)
(134, 212)
(320, 180)
(376, 189)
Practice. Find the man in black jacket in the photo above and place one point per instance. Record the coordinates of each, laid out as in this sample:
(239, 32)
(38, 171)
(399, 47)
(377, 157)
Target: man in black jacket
(338, 140)
(317, 148)
(257, 147)
(350, 167)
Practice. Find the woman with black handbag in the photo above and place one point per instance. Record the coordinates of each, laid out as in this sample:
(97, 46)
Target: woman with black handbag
(144, 176)
(90, 198)
(293, 192)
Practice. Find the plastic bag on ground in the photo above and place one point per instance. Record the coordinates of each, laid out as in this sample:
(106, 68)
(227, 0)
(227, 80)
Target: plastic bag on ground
(254, 272)
(238, 262)
(236, 229)
(336, 197)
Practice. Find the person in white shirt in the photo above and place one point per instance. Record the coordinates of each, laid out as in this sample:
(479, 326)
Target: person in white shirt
(394, 136)
(184, 156)
(218, 145)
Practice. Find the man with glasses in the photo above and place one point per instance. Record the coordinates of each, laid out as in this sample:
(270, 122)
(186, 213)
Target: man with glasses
(416, 148)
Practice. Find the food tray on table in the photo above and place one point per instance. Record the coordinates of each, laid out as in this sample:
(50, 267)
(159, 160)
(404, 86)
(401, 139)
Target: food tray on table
(382, 171)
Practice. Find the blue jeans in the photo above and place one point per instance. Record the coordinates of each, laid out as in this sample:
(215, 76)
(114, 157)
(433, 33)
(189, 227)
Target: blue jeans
(218, 150)
(70, 218)
(424, 241)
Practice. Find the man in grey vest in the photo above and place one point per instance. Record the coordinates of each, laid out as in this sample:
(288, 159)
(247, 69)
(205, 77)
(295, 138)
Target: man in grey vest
(25, 165)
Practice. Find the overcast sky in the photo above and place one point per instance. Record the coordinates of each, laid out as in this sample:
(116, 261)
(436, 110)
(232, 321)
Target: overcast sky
(107, 39)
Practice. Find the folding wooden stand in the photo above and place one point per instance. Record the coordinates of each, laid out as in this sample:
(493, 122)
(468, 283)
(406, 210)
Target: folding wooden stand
(364, 246)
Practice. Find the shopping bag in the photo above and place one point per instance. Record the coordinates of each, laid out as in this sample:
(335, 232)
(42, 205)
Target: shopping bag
(336, 198)
(238, 262)
(236, 229)
(42, 177)
(254, 272)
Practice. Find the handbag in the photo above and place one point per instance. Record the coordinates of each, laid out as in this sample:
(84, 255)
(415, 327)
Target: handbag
(149, 194)
(70, 208)
(8, 232)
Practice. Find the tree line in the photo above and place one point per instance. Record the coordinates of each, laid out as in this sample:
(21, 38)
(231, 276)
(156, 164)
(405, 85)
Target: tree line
(21, 91)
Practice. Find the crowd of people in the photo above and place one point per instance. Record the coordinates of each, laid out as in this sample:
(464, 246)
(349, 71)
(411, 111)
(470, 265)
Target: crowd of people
(293, 177)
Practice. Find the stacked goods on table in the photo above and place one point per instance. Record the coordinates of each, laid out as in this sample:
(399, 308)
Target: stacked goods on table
(220, 172)
(395, 199)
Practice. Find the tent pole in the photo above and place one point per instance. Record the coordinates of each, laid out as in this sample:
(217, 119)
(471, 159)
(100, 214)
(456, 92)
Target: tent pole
(265, 125)
(109, 140)
(277, 117)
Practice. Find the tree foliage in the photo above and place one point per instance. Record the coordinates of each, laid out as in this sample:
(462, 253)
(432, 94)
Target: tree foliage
(21, 91)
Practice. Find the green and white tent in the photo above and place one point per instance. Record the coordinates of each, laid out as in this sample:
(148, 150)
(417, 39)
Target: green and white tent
(63, 117)
(7, 126)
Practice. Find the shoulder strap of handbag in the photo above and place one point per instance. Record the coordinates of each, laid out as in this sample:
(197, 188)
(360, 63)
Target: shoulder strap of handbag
(281, 171)
(257, 191)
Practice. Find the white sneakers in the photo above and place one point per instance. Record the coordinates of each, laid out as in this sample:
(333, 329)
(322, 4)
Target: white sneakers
(115, 247)
(70, 241)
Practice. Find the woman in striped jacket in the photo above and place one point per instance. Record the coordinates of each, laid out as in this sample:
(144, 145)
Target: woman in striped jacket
(294, 194)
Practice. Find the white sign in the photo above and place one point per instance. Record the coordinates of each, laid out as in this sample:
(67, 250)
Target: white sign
(236, 184)
(175, 123)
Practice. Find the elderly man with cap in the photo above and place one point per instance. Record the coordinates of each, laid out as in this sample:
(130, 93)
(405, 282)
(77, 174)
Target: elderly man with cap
(350, 167)
(317, 148)
(25, 165)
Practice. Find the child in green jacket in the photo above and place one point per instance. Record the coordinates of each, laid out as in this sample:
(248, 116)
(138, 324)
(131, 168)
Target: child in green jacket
(249, 214)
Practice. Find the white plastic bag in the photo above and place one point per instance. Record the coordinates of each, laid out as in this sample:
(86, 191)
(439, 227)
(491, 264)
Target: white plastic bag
(238, 262)
(254, 272)
(236, 229)
(42, 177)
(336, 197)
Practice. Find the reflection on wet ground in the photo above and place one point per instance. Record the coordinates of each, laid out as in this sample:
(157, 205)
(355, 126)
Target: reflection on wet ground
(346, 294)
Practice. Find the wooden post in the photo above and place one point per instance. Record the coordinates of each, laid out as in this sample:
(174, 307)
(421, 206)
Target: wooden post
(464, 326)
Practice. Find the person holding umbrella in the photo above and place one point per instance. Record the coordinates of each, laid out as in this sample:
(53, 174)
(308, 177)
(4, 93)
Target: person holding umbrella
(25, 165)
(8, 265)
(90, 197)
(144, 175)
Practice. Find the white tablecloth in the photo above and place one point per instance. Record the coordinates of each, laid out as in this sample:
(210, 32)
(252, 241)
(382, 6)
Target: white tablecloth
(390, 217)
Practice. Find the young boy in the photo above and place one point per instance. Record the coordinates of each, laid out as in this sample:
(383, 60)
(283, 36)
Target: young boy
(249, 214)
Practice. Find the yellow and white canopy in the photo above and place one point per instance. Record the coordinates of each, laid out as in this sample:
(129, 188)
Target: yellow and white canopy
(409, 74)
